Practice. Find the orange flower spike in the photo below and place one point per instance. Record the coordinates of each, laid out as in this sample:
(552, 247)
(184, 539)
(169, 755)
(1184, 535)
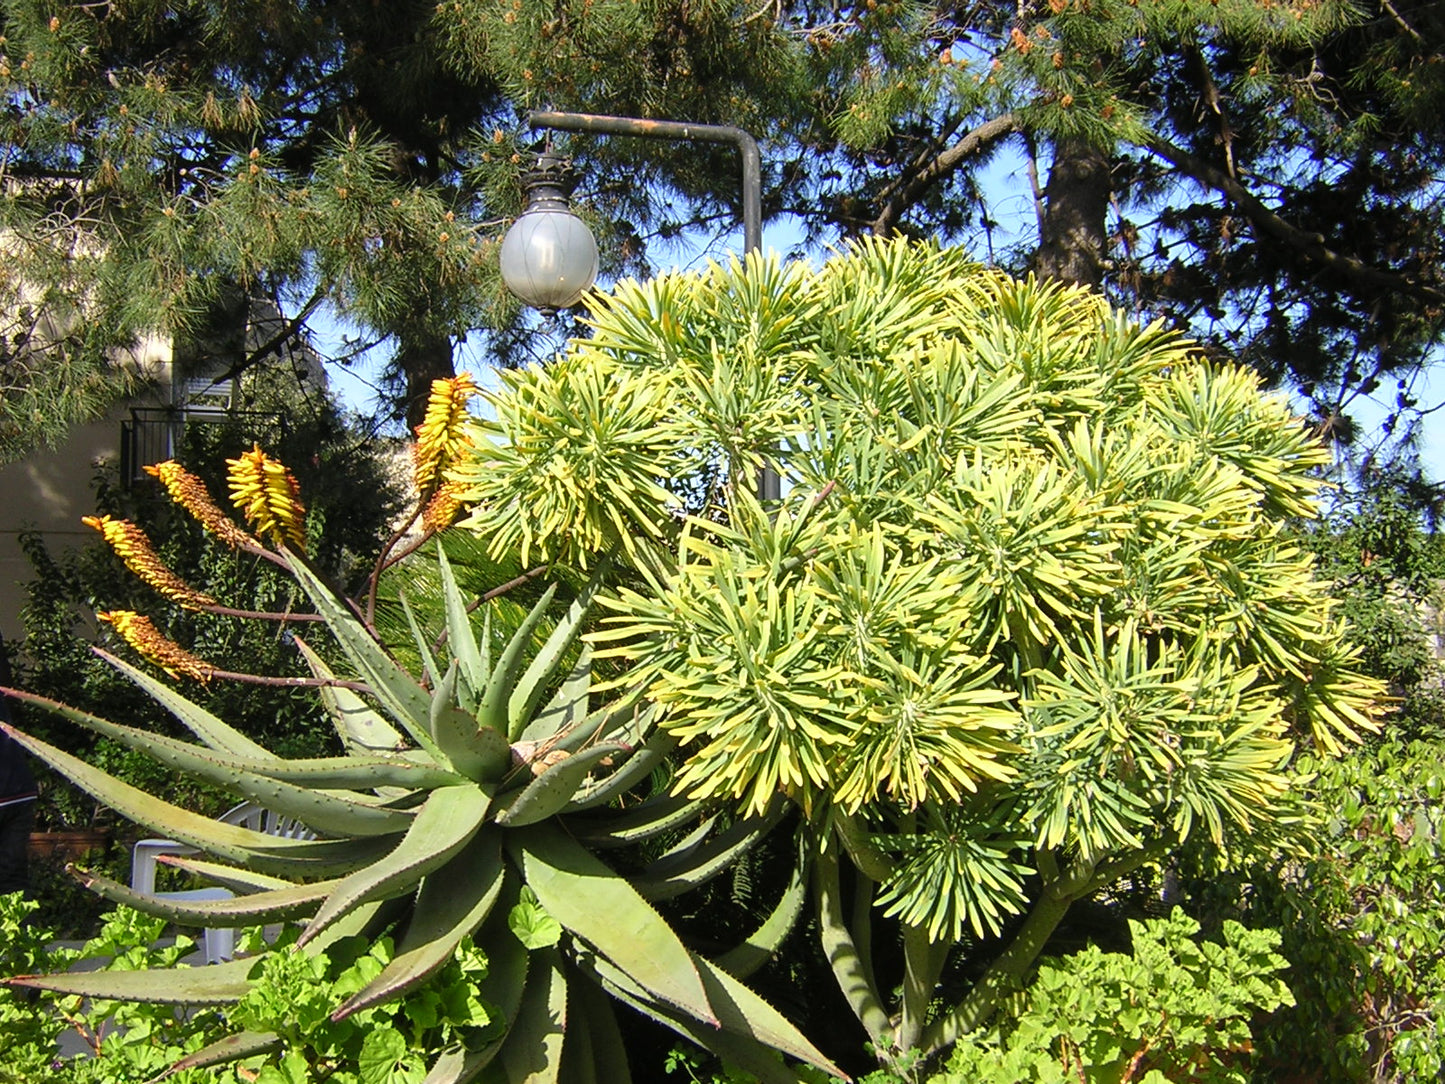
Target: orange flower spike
(134, 548)
(442, 509)
(267, 495)
(137, 630)
(191, 493)
(439, 437)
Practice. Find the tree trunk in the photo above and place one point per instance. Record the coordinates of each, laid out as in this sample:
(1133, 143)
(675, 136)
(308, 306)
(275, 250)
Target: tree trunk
(424, 356)
(1076, 201)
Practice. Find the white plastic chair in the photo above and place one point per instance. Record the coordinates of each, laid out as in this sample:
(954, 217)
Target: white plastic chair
(220, 943)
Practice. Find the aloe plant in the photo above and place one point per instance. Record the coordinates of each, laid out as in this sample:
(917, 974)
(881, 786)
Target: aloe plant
(477, 801)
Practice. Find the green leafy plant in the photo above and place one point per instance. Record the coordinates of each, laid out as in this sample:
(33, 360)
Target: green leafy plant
(1176, 1009)
(122, 1041)
(290, 997)
(1362, 919)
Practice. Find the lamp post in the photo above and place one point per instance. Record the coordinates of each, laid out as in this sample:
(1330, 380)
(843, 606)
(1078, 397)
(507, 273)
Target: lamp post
(529, 252)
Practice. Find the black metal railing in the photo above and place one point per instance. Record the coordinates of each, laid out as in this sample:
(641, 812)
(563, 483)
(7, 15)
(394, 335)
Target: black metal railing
(155, 434)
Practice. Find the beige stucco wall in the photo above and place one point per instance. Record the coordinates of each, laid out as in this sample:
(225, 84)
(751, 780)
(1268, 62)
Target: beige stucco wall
(51, 489)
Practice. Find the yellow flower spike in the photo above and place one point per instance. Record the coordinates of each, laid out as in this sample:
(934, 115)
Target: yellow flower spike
(134, 548)
(441, 511)
(137, 630)
(191, 493)
(267, 495)
(439, 438)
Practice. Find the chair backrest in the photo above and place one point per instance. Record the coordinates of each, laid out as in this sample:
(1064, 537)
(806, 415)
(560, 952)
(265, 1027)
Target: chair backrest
(260, 819)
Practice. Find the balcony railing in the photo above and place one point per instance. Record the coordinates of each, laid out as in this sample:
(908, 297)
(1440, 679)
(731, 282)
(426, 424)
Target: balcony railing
(155, 434)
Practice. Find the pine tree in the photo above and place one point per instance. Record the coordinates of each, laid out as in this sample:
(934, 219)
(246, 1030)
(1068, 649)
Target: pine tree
(1261, 171)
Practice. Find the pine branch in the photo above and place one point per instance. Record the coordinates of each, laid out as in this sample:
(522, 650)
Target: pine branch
(1311, 245)
(939, 169)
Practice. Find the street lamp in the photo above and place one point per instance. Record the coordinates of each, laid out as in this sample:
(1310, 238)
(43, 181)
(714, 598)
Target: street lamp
(536, 249)
(549, 257)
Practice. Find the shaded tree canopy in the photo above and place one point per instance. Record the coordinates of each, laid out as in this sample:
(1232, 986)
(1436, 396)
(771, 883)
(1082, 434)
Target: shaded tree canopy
(1263, 172)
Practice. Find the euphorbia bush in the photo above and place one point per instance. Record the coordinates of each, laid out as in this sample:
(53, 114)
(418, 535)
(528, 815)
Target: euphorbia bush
(1026, 618)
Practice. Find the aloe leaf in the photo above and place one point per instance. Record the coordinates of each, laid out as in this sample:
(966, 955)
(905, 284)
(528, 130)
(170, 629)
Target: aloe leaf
(507, 958)
(524, 699)
(622, 720)
(453, 902)
(659, 814)
(492, 710)
(360, 728)
(639, 766)
(255, 909)
(352, 773)
(215, 984)
(741, 1011)
(243, 846)
(476, 751)
(742, 960)
(579, 1063)
(328, 812)
(568, 706)
(501, 987)
(609, 1053)
(554, 788)
(460, 635)
(398, 692)
(736, 1050)
(595, 904)
(675, 874)
(242, 881)
(423, 648)
(458, 1065)
(449, 819)
(214, 732)
(532, 1051)
(243, 1044)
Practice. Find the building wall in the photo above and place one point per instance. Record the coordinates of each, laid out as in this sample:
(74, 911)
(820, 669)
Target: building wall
(51, 489)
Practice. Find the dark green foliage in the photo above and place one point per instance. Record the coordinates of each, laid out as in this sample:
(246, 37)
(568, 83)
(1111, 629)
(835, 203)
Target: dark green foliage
(1362, 920)
(1388, 570)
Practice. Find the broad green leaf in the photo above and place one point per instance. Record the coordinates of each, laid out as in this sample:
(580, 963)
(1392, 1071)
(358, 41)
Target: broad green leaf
(256, 908)
(201, 723)
(549, 792)
(532, 1050)
(531, 924)
(408, 703)
(270, 854)
(460, 636)
(600, 907)
(360, 728)
(332, 812)
(523, 701)
(215, 984)
(478, 752)
(446, 822)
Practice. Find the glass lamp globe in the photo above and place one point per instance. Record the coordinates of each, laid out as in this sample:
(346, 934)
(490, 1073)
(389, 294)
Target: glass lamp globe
(549, 257)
